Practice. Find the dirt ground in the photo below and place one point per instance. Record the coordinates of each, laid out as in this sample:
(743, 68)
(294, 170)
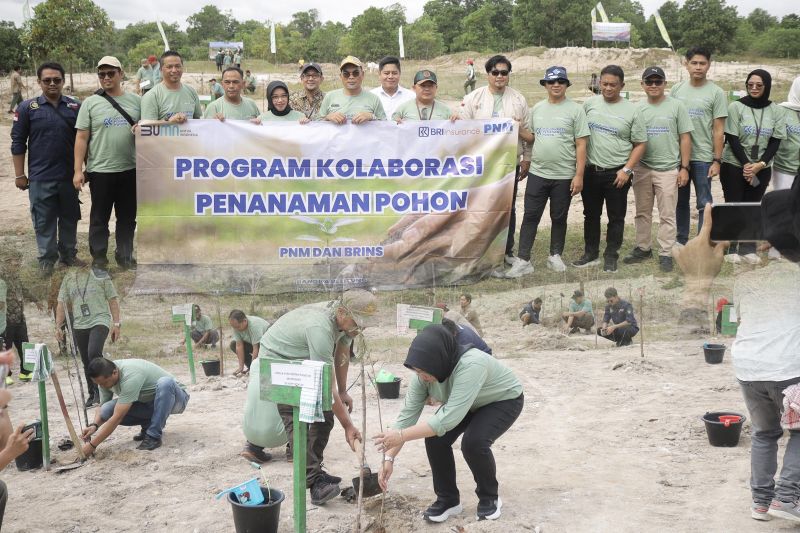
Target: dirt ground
(608, 441)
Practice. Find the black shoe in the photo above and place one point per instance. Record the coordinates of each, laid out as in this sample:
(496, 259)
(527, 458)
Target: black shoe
(586, 261)
(574, 330)
(327, 478)
(256, 455)
(665, 263)
(440, 511)
(46, 269)
(322, 491)
(149, 444)
(489, 509)
(289, 455)
(73, 261)
(610, 265)
(92, 400)
(637, 255)
(139, 437)
(128, 263)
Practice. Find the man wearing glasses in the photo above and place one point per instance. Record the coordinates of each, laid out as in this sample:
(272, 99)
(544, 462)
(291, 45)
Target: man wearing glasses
(351, 103)
(498, 100)
(105, 132)
(45, 128)
(171, 100)
(310, 98)
(664, 167)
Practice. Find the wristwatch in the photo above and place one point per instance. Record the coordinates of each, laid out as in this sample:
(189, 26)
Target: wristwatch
(388, 458)
(628, 171)
(717, 160)
(684, 167)
(117, 324)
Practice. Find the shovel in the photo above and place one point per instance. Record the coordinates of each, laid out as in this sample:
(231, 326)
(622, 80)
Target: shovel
(371, 486)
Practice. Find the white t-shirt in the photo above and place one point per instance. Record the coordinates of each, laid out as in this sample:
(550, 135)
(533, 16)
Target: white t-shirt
(767, 345)
(391, 103)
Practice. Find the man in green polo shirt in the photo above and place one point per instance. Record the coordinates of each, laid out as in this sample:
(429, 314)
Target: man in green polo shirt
(215, 88)
(558, 161)
(91, 299)
(232, 105)
(247, 332)
(203, 332)
(663, 169)
(171, 100)
(146, 396)
(144, 77)
(580, 314)
(425, 106)
(707, 106)
(351, 103)
(107, 135)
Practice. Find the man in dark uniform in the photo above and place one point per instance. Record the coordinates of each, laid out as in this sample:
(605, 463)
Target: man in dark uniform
(45, 128)
(619, 324)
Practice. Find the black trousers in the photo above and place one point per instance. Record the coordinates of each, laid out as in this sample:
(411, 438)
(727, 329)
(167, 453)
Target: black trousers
(248, 352)
(480, 428)
(621, 336)
(3, 501)
(213, 337)
(318, 435)
(512, 219)
(115, 190)
(90, 344)
(15, 335)
(736, 189)
(538, 191)
(599, 188)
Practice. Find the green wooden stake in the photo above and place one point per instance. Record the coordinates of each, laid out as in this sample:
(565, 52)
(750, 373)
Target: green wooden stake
(28, 366)
(187, 333)
(179, 314)
(299, 452)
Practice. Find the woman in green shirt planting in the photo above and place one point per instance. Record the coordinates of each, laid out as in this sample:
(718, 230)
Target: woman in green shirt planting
(481, 398)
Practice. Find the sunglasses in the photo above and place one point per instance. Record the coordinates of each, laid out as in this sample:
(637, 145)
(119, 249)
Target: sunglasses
(656, 82)
(351, 73)
(106, 73)
(52, 81)
(313, 76)
(556, 82)
(496, 72)
(755, 85)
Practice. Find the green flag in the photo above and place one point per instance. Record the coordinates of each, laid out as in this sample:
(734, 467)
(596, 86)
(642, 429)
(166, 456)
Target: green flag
(663, 29)
(602, 12)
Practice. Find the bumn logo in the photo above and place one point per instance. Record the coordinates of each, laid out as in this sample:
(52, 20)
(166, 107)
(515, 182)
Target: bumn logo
(161, 130)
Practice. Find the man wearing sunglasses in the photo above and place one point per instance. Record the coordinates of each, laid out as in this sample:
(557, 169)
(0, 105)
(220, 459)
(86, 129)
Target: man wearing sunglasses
(664, 167)
(106, 134)
(351, 103)
(498, 100)
(310, 98)
(44, 127)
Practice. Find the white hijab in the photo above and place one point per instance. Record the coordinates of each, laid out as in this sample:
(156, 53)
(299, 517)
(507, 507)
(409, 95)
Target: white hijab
(793, 100)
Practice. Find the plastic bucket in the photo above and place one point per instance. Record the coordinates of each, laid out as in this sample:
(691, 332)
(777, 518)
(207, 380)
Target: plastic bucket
(713, 353)
(211, 367)
(32, 458)
(389, 390)
(263, 518)
(724, 428)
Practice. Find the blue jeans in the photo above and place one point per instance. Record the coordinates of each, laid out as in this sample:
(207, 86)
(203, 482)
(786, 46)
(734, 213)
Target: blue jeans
(55, 212)
(170, 399)
(698, 174)
(764, 401)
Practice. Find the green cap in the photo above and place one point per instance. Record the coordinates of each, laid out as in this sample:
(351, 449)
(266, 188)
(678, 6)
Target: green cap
(425, 75)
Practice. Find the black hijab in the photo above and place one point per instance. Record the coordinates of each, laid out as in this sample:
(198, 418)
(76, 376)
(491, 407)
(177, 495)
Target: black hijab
(436, 352)
(763, 100)
(270, 107)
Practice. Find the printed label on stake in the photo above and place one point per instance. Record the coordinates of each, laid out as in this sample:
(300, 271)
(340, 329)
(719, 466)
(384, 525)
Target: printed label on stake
(292, 375)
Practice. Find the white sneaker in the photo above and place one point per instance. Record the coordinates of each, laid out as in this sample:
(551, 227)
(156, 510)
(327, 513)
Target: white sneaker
(752, 259)
(774, 254)
(520, 269)
(510, 259)
(733, 258)
(554, 262)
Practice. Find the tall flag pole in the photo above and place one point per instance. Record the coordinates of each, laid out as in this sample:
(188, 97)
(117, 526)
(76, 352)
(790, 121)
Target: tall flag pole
(272, 46)
(602, 12)
(663, 30)
(163, 35)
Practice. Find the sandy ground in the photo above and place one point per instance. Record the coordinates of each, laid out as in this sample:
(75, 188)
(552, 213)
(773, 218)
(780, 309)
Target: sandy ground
(609, 441)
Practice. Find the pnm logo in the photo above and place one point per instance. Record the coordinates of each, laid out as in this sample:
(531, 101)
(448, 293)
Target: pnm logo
(161, 130)
(492, 128)
(424, 131)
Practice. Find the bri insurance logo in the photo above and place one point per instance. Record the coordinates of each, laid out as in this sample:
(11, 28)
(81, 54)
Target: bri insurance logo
(427, 131)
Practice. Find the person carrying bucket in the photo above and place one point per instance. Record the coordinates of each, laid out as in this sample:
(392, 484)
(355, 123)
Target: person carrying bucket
(481, 399)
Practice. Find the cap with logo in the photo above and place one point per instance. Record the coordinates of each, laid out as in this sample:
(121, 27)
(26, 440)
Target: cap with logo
(306, 66)
(351, 60)
(111, 61)
(577, 294)
(362, 306)
(425, 75)
(555, 73)
(653, 72)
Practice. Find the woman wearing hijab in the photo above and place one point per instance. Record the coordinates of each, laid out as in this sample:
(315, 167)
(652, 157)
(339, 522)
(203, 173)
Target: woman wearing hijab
(481, 398)
(753, 131)
(278, 108)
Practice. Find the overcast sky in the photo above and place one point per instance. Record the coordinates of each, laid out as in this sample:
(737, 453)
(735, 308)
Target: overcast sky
(123, 13)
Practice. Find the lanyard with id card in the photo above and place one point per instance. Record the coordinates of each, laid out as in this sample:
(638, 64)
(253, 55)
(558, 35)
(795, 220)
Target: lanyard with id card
(85, 311)
(754, 148)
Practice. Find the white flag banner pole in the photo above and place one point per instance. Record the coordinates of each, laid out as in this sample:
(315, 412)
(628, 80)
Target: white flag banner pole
(272, 47)
(163, 35)
(594, 15)
(402, 45)
(602, 12)
(662, 29)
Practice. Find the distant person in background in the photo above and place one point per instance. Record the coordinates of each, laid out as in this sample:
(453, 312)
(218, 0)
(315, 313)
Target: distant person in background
(753, 131)
(156, 66)
(247, 332)
(216, 89)
(144, 78)
(203, 332)
(237, 58)
(227, 59)
(619, 323)
(465, 335)
(391, 93)
(249, 82)
(594, 84)
(468, 312)
(530, 312)
(708, 107)
(580, 314)
(469, 83)
(309, 98)
(16, 88)
(218, 59)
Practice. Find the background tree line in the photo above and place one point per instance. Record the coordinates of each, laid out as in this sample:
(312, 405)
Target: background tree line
(76, 32)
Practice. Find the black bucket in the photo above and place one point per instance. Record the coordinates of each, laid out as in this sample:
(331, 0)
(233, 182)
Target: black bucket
(714, 353)
(263, 518)
(371, 485)
(211, 367)
(390, 390)
(32, 458)
(724, 428)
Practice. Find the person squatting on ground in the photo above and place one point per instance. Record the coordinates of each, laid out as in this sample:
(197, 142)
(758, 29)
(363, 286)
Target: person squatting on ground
(530, 312)
(469, 312)
(247, 332)
(146, 396)
(619, 323)
(203, 332)
(580, 314)
(481, 399)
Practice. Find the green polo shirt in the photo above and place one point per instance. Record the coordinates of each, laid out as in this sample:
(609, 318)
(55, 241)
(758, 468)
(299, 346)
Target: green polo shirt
(477, 380)
(245, 110)
(161, 103)
(411, 110)
(350, 106)
(704, 104)
(787, 159)
(256, 326)
(585, 306)
(291, 116)
(82, 288)
(203, 324)
(112, 146)
(615, 127)
(742, 121)
(556, 127)
(665, 122)
(137, 382)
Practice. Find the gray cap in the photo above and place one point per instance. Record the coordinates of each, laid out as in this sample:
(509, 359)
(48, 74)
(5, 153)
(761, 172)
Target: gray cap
(307, 66)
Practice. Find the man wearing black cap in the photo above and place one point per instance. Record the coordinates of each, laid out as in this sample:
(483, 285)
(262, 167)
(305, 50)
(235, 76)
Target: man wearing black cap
(424, 106)
(580, 314)
(664, 167)
(309, 99)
